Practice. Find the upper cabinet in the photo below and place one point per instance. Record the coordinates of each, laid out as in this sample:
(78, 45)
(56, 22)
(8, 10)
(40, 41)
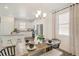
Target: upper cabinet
(6, 25)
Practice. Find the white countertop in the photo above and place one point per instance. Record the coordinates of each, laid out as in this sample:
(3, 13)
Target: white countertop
(14, 35)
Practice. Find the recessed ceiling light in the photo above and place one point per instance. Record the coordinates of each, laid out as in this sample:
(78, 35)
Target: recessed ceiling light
(6, 7)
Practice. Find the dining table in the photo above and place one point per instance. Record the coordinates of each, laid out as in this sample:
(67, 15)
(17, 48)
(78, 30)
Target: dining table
(40, 49)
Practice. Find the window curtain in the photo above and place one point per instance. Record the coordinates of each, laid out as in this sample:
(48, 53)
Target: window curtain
(74, 29)
(65, 40)
(54, 24)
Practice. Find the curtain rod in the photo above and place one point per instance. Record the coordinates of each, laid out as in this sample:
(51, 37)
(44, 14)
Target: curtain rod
(65, 8)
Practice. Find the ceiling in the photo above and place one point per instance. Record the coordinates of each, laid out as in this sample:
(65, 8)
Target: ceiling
(28, 10)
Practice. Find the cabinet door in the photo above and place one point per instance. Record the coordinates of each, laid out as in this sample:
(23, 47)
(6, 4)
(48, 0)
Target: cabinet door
(7, 25)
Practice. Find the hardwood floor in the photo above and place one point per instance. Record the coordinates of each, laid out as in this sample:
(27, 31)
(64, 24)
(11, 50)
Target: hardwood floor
(65, 53)
(56, 52)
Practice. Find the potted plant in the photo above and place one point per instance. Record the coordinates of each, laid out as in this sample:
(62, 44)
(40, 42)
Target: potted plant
(15, 31)
(40, 38)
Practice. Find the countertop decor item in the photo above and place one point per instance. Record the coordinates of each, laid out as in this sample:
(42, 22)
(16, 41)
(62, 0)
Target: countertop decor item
(31, 47)
(49, 41)
(15, 31)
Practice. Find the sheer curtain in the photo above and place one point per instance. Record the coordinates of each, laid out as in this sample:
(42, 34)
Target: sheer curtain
(62, 27)
(74, 28)
(54, 24)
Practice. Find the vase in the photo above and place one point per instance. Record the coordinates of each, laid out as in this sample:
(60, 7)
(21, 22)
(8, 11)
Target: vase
(40, 41)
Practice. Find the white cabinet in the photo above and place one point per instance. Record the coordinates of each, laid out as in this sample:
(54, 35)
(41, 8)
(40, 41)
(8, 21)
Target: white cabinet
(6, 25)
(11, 39)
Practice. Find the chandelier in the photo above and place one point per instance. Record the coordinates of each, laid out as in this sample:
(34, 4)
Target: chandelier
(40, 14)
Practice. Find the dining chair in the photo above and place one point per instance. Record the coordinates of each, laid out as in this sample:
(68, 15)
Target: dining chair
(56, 43)
(8, 51)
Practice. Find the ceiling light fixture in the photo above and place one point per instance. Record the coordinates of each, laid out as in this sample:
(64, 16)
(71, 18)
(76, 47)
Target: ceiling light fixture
(36, 15)
(44, 14)
(38, 12)
(40, 15)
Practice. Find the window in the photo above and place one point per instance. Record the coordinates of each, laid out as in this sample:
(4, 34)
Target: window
(22, 25)
(63, 23)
